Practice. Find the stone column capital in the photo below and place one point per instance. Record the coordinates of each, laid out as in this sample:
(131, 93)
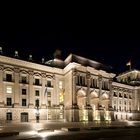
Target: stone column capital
(16, 70)
(88, 75)
(74, 72)
(1, 67)
(100, 77)
(43, 74)
(31, 72)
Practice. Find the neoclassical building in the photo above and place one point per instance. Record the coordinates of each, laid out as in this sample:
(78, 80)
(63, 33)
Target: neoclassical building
(76, 89)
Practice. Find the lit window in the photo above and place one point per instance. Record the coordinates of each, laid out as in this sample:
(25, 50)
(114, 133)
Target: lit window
(9, 89)
(60, 84)
(61, 97)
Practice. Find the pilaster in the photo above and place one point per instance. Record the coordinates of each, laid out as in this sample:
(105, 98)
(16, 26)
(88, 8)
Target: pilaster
(16, 89)
(31, 98)
(1, 87)
(75, 109)
(43, 96)
(88, 107)
(100, 88)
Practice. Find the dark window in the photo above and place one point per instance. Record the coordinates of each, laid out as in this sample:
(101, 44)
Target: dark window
(49, 83)
(24, 79)
(120, 95)
(125, 96)
(9, 101)
(95, 83)
(9, 116)
(37, 102)
(36, 92)
(114, 108)
(120, 108)
(115, 94)
(81, 80)
(23, 102)
(125, 108)
(9, 77)
(125, 102)
(49, 103)
(23, 91)
(78, 81)
(36, 81)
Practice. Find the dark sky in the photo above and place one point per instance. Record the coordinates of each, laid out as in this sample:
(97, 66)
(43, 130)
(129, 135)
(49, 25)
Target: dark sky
(109, 39)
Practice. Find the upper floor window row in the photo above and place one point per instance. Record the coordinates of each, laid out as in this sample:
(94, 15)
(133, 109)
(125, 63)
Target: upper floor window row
(81, 80)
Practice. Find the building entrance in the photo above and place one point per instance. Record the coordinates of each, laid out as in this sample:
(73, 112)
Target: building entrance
(24, 117)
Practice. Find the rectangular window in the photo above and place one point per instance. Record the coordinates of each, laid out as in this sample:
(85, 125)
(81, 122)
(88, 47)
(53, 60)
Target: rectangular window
(23, 102)
(49, 94)
(60, 84)
(36, 92)
(23, 91)
(24, 79)
(120, 108)
(9, 77)
(49, 103)
(114, 101)
(125, 108)
(8, 116)
(9, 101)
(37, 102)
(125, 102)
(48, 83)
(36, 81)
(9, 89)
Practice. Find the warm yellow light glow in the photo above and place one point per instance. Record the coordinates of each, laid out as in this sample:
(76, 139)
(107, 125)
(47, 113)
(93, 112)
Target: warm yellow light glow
(9, 89)
(61, 97)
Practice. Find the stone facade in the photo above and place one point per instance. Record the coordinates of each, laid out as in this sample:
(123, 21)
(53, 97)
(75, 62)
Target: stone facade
(77, 89)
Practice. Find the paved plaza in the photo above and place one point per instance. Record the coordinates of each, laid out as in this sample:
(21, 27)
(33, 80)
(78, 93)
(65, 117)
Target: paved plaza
(55, 130)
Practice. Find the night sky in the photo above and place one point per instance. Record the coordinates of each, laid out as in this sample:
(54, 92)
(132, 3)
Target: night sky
(112, 40)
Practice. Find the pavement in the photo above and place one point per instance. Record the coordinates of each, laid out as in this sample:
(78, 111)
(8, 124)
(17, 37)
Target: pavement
(52, 129)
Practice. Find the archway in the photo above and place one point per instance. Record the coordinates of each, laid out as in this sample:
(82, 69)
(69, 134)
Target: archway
(81, 101)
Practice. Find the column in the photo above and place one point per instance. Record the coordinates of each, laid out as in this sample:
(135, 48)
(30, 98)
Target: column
(17, 91)
(43, 94)
(1, 87)
(88, 107)
(122, 101)
(31, 92)
(100, 88)
(74, 96)
(110, 106)
(100, 101)
(75, 109)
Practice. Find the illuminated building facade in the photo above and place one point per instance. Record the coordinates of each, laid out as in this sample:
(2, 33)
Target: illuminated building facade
(76, 89)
